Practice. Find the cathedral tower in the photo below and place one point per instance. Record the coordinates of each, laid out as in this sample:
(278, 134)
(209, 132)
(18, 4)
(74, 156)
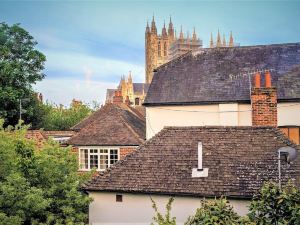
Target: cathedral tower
(161, 48)
(157, 47)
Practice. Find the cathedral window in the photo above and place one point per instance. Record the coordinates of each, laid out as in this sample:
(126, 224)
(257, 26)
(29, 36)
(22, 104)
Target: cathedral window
(159, 49)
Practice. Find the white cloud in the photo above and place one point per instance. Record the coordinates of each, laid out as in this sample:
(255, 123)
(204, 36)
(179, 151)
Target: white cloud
(102, 68)
(62, 91)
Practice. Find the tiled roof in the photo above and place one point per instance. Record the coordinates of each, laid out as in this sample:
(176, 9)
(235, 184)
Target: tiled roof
(239, 160)
(113, 124)
(58, 133)
(222, 75)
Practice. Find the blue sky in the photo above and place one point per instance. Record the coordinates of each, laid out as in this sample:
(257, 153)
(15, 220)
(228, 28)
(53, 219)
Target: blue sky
(90, 44)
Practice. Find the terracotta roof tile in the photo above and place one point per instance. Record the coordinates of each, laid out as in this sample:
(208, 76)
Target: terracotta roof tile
(239, 160)
(113, 124)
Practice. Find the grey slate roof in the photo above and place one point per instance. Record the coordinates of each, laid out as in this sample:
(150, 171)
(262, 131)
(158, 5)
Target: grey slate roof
(139, 87)
(239, 160)
(221, 75)
(113, 125)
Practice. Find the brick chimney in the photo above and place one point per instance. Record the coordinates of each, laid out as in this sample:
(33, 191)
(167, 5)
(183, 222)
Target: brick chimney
(118, 98)
(264, 102)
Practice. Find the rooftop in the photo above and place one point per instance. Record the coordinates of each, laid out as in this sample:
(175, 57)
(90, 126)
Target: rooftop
(239, 160)
(222, 75)
(113, 124)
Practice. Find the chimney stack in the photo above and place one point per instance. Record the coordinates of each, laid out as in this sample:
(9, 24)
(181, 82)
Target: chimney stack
(264, 102)
(118, 98)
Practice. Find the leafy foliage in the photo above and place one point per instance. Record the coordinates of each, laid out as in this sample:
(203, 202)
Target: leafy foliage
(274, 206)
(39, 187)
(216, 211)
(60, 118)
(166, 219)
(21, 65)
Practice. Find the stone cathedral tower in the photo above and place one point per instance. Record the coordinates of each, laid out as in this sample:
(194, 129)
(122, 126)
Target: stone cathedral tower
(157, 47)
(161, 48)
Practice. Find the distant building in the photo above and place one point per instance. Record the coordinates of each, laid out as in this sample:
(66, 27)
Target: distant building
(134, 92)
(161, 48)
(183, 45)
(219, 43)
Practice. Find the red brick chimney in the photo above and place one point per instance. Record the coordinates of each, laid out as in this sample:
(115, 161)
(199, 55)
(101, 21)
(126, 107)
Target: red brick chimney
(264, 102)
(118, 98)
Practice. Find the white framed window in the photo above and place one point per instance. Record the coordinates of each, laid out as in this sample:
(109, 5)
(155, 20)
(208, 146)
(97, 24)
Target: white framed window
(98, 157)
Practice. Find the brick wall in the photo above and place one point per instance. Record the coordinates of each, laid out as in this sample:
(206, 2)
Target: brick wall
(37, 137)
(264, 106)
(125, 151)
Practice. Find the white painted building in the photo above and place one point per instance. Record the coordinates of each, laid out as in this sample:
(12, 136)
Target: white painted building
(208, 98)
(188, 163)
(230, 114)
(213, 87)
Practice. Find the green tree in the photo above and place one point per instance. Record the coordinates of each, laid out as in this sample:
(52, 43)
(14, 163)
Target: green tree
(274, 206)
(39, 187)
(166, 219)
(21, 66)
(60, 118)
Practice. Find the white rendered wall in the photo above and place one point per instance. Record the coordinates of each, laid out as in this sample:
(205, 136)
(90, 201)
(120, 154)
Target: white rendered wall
(137, 209)
(157, 117)
(288, 114)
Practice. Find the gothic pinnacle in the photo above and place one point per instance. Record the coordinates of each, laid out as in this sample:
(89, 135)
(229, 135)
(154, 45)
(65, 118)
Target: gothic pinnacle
(194, 35)
(211, 41)
(219, 44)
(231, 43)
(181, 33)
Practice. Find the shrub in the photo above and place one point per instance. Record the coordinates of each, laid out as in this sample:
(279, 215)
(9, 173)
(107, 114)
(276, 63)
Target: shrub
(216, 211)
(166, 219)
(274, 206)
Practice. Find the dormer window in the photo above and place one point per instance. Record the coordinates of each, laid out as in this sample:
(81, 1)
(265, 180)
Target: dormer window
(200, 171)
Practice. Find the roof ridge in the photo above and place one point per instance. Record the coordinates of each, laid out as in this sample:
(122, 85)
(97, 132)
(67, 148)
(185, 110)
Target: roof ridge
(130, 128)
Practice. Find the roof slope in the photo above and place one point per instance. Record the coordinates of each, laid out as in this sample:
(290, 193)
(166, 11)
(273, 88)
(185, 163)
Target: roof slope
(239, 160)
(113, 124)
(221, 74)
(139, 88)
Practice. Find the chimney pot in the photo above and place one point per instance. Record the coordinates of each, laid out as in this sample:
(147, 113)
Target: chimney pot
(268, 79)
(257, 80)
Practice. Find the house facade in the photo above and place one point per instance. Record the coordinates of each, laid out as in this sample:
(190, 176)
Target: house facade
(213, 87)
(108, 135)
(189, 163)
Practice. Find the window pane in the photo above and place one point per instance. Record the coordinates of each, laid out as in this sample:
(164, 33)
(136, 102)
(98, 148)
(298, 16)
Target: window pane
(94, 161)
(103, 162)
(93, 150)
(104, 151)
(113, 156)
(83, 159)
